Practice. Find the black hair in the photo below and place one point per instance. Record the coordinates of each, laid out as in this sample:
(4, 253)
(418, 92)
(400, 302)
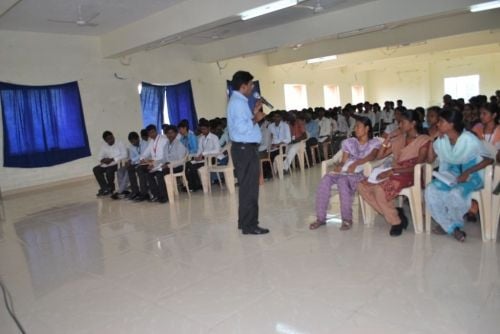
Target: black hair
(150, 127)
(435, 109)
(366, 122)
(454, 117)
(240, 78)
(170, 128)
(204, 123)
(492, 108)
(413, 116)
(144, 133)
(106, 134)
(183, 124)
(133, 135)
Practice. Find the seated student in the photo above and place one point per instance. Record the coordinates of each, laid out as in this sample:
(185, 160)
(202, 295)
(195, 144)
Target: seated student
(489, 129)
(432, 120)
(461, 154)
(187, 137)
(134, 154)
(298, 132)
(408, 149)
(151, 162)
(173, 153)
(392, 130)
(265, 146)
(111, 153)
(312, 129)
(325, 129)
(355, 152)
(280, 134)
(208, 144)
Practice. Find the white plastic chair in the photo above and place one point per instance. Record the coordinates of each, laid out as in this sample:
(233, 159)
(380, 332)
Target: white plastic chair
(171, 179)
(227, 170)
(484, 198)
(279, 161)
(495, 204)
(414, 195)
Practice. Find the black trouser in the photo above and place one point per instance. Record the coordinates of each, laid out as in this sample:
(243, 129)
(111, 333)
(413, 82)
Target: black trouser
(105, 176)
(246, 166)
(192, 175)
(157, 184)
(266, 168)
(143, 173)
(135, 172)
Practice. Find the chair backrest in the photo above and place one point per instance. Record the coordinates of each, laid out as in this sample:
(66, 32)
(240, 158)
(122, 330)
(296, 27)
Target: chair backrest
(182, 163)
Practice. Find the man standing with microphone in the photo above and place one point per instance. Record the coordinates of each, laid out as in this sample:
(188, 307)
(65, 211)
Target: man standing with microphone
(245, 136)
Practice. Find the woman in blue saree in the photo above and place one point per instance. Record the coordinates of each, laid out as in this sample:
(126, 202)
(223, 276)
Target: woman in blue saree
(460, 153)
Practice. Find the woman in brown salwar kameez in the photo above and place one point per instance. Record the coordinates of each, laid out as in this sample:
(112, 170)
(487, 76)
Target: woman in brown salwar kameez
(408, 149)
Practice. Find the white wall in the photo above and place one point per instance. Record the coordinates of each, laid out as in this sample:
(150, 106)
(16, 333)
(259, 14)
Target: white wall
(112, 104)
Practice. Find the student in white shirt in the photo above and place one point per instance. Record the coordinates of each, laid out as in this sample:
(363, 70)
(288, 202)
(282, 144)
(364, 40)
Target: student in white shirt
(173, 153)
(111, 153)
(325, 126)
(208, 144)
(152, 158)
(137, 146)
(280, 134)
(346, 123)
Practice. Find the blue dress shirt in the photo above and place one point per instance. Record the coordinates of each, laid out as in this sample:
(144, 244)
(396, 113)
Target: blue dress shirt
(312, 129)
(240, 120)
(190, 142)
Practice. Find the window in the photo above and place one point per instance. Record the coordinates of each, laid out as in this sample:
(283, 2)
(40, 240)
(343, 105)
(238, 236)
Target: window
(332, 96)
(462, 87)
(358, 94)
(43, 125)
(164, 113)
(295, 97)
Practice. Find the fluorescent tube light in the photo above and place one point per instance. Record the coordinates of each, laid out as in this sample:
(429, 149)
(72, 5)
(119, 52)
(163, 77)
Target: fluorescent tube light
(321, 59)
(266, 9)
(485, 6)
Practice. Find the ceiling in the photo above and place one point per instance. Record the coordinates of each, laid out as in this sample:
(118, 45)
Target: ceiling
(34, 15)
(211, 29)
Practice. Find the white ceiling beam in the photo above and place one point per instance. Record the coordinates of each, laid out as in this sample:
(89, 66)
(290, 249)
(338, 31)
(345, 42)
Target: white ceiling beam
(326, 25)
(413, 32)
(184, 16)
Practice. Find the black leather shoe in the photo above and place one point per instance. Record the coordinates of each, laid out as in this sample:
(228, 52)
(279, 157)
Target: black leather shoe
(396, 230)
(256, 230)
(403, 218)
(162, 200)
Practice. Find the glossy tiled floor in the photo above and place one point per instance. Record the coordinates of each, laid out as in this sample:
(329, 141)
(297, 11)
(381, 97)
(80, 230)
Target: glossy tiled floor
(77, 264)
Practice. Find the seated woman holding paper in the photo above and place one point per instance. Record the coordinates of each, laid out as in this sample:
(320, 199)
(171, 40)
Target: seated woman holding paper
(408, 149)
(461, 157)
(356, 152)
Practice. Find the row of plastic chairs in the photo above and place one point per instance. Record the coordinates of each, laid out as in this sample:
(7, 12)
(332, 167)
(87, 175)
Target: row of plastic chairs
(489, 203)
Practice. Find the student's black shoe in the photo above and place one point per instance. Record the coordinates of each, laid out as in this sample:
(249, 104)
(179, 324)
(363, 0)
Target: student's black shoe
(100, 193)
(403, 218)
(141, 198)
(115, 196)
(125, 193)
(396, 230)
(133, 196)
(163, 200)
(255, 230)
(106, 193)
(153, 199)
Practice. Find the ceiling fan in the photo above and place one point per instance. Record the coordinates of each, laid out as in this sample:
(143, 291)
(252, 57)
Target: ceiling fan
(317, 8)
(81, 19)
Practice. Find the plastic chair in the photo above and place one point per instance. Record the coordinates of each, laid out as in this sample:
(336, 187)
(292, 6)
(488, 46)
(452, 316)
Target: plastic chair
(315, 154)
(227, 170)
(495, 204)
(268, 160)
(171, 178)
(279, 161)
(484, 198)
(414, 195)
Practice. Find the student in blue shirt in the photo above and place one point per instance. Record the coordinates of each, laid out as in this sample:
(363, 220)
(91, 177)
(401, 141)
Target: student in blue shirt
(245, 135)
(187, 137)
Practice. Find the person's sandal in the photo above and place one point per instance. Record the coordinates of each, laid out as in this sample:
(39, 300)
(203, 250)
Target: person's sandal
(459, 235)
(346, 225)
(316, 225)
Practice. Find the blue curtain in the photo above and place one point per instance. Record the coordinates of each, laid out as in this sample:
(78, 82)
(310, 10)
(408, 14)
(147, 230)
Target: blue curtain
(152, 104)
(180, 103)
(42, 125)
(251, 99)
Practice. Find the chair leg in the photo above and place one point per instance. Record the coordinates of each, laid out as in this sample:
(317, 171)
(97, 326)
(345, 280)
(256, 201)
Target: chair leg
(185, 181)
(229, 177)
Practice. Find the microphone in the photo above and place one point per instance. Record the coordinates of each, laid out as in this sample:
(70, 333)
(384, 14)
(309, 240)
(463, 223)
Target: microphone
(264, 101)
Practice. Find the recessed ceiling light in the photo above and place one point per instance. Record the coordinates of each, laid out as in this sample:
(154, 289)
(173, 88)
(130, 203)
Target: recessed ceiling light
(485, 6)
(266, 9)
(321, 59)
